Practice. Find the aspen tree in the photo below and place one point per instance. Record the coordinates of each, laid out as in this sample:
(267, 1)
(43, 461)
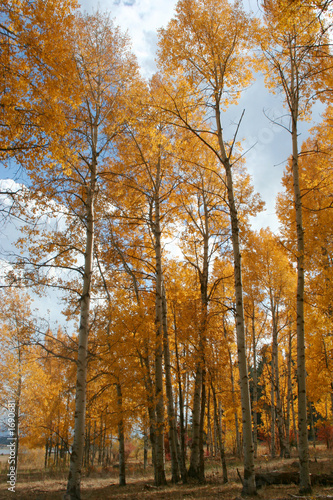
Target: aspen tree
(272, 272)
(206, 232)
(205, 46)
(151, 179)
(66, 183)
(316, 179)
(294, 44)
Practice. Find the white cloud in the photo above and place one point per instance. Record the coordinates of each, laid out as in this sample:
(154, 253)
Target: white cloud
(141, 18)
(9, 185)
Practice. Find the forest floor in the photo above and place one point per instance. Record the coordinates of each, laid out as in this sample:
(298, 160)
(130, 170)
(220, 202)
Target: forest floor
(34, 484)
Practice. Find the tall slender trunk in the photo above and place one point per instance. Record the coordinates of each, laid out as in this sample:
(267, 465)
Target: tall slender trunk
(313, 431)
(87, 443)
(201, 428)
(209, 440)
(159, 408)
(197, 463)
(104, 443)
(249, 484)
(195, 454)
(219, 435)
(100, 440)
(145, 449)
(93, 453)
(144, 361)
(159, 457)
(273, 440)
(74, 477)
(183, 470)
(289, 393)
(203, 327)
(255, 384)
(303, 445)
(174, 445)
(232, 380)
(329, 371)
(276, 378)
(186, 399)
(46, 452)
(121, 437)
(295, 429)
(224, 463)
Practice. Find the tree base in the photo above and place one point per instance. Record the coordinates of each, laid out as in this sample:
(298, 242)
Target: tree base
(193, 472)
(307, 490)
(247, 494)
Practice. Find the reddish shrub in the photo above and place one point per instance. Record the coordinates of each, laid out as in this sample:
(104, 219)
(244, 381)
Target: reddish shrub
(325, 433)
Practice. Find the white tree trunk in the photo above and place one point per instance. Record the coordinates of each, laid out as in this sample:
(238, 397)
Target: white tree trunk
(159, 433)
(74, 478)
(303, 445)
(121, 437)
(249, 485)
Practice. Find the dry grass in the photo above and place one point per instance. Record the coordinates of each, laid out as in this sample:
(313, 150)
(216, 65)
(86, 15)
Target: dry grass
(36, 484)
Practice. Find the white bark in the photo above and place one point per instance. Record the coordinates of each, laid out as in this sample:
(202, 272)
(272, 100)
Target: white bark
(173, 439)
(255, 384)
(159, 433)
(249, 485)
(74, 478)
(303, 445)
(121, 437)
